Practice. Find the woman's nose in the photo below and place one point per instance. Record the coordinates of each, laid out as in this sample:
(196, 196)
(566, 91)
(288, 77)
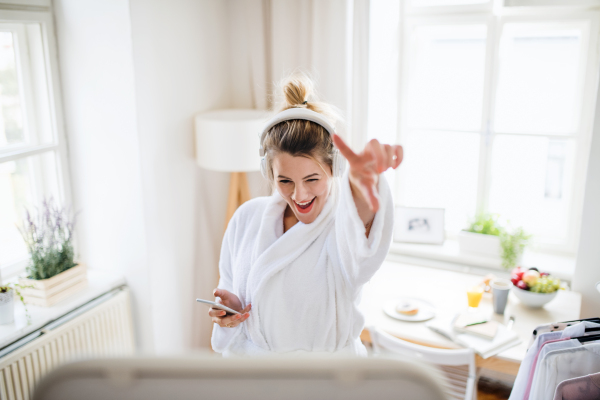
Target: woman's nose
(300, 192)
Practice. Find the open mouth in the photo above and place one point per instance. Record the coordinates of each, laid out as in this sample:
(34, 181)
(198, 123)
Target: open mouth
(305, 207)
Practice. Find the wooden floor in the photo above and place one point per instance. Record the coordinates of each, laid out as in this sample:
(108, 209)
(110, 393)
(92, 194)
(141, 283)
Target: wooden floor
(492, 390)
(488, 396)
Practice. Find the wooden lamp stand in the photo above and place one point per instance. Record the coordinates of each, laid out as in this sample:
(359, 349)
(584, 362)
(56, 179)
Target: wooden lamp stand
(239, 193)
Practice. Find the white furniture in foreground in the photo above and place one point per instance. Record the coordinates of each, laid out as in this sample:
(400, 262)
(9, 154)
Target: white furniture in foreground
(446, 291)
(457, 366)
(210, 378)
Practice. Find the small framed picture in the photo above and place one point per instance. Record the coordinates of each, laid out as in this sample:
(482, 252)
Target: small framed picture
(419, 225)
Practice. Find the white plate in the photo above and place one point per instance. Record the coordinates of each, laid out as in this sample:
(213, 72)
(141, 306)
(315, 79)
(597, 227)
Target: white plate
(426, 310)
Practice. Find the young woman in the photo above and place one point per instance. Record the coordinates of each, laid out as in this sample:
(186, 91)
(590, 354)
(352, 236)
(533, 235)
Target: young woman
(294, 263)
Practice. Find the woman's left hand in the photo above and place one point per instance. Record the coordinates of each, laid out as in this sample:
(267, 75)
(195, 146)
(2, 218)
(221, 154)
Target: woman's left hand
(366, 166)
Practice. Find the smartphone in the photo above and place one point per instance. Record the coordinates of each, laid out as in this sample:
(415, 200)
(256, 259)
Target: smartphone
(219, 306)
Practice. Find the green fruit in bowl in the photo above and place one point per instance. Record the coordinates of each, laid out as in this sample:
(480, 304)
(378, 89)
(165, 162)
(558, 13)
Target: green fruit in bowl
(546, 284)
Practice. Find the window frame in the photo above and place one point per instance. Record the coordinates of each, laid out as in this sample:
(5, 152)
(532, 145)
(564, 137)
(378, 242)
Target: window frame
(409, 9)
(495, 18)
(58, 143)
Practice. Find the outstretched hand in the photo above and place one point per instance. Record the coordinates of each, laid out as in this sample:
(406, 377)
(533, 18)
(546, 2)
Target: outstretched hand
(365, 167)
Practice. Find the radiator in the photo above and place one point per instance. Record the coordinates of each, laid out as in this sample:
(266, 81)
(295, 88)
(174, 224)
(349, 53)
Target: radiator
(105, 330)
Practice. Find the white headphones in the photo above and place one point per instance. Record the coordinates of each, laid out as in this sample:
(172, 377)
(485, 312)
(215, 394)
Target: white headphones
(339, 162)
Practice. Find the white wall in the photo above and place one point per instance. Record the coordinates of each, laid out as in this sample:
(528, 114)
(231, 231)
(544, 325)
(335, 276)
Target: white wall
(587, 268)
(94, 40)
(181, 69)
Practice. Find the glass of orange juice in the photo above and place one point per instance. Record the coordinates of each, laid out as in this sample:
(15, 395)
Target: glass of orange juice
(474, 294)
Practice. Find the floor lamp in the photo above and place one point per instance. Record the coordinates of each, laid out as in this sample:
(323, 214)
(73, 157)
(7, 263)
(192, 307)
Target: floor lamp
(228, 141)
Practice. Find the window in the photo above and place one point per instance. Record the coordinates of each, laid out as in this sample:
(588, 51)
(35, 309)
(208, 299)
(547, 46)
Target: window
(494, 106)
(32, 148)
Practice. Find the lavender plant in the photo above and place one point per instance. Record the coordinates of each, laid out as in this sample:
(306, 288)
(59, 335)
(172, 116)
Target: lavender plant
(48, 236)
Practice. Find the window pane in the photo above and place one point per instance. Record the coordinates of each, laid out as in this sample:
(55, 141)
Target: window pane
(429, 3)
(23, 184)
(539, 74)
(446, 77)
(440, 170)
(531, 184)
(11, 112)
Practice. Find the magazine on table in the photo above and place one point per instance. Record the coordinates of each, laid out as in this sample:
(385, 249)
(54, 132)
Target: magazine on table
(486, 347)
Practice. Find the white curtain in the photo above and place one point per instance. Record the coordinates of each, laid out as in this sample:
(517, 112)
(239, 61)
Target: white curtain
(268, 40)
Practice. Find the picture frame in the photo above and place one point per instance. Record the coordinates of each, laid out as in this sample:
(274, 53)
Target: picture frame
(419, 225)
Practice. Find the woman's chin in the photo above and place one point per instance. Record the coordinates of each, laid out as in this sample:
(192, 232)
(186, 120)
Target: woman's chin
(306, 219)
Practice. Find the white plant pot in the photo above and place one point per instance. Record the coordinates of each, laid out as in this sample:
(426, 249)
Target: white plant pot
(7, 307)
(480, 244)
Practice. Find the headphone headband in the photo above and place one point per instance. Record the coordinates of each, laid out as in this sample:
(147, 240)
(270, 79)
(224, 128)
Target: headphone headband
(295, 113)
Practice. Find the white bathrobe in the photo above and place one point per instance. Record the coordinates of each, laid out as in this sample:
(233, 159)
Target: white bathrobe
(304, 285)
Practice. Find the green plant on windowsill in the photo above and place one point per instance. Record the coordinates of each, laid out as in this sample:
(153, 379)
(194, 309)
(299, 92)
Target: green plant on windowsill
(512, 241)
(486, 224)
(16, 287)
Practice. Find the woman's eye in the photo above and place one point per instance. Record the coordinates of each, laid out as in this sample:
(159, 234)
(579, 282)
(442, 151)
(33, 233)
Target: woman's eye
(312, 180)
(284, 181)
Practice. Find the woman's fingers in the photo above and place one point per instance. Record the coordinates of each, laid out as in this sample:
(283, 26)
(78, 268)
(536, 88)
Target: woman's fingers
(380, 157)
(346, 151)
(222, 293)
(389, 152)
(238, 321)
(230, 321)
(221, 318)
(215, 312)
(399, 153)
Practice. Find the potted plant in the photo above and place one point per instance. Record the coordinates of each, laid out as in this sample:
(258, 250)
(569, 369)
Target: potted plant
(7, 302)
(52, 273)
(487, 236)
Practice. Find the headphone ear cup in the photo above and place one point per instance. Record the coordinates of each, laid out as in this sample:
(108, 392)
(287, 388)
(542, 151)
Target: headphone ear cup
(339, 164)
(263, 167)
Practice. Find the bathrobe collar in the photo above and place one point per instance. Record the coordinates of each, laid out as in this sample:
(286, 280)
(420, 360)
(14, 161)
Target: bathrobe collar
(273, 253)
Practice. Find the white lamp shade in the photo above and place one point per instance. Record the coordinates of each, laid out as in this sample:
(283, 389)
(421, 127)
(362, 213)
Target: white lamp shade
(228, 140)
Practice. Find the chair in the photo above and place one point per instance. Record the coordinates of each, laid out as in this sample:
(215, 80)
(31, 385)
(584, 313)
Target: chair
(457, 366)
(203, 377)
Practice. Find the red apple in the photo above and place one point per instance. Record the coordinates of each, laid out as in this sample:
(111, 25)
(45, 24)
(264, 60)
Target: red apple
(514, 278)
(519, 271)
(544, 274)
(522, 285)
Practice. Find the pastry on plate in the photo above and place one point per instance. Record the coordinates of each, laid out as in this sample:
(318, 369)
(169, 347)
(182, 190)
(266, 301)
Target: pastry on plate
(407, 308)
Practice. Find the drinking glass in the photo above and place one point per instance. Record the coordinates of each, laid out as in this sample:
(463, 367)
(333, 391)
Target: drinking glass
(474, 294)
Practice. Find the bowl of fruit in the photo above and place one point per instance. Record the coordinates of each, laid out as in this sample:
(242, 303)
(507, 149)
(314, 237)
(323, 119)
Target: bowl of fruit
(532, 287)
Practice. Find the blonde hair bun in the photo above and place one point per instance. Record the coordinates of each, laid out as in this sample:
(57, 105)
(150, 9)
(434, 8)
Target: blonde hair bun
(298, 90)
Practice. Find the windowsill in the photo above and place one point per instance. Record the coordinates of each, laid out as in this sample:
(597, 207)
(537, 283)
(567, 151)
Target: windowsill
(99, 283)
(10, 271)
(448, 256)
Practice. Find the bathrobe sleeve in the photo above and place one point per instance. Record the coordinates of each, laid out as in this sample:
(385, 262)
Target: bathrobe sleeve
(361, 257)
(221, 337)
